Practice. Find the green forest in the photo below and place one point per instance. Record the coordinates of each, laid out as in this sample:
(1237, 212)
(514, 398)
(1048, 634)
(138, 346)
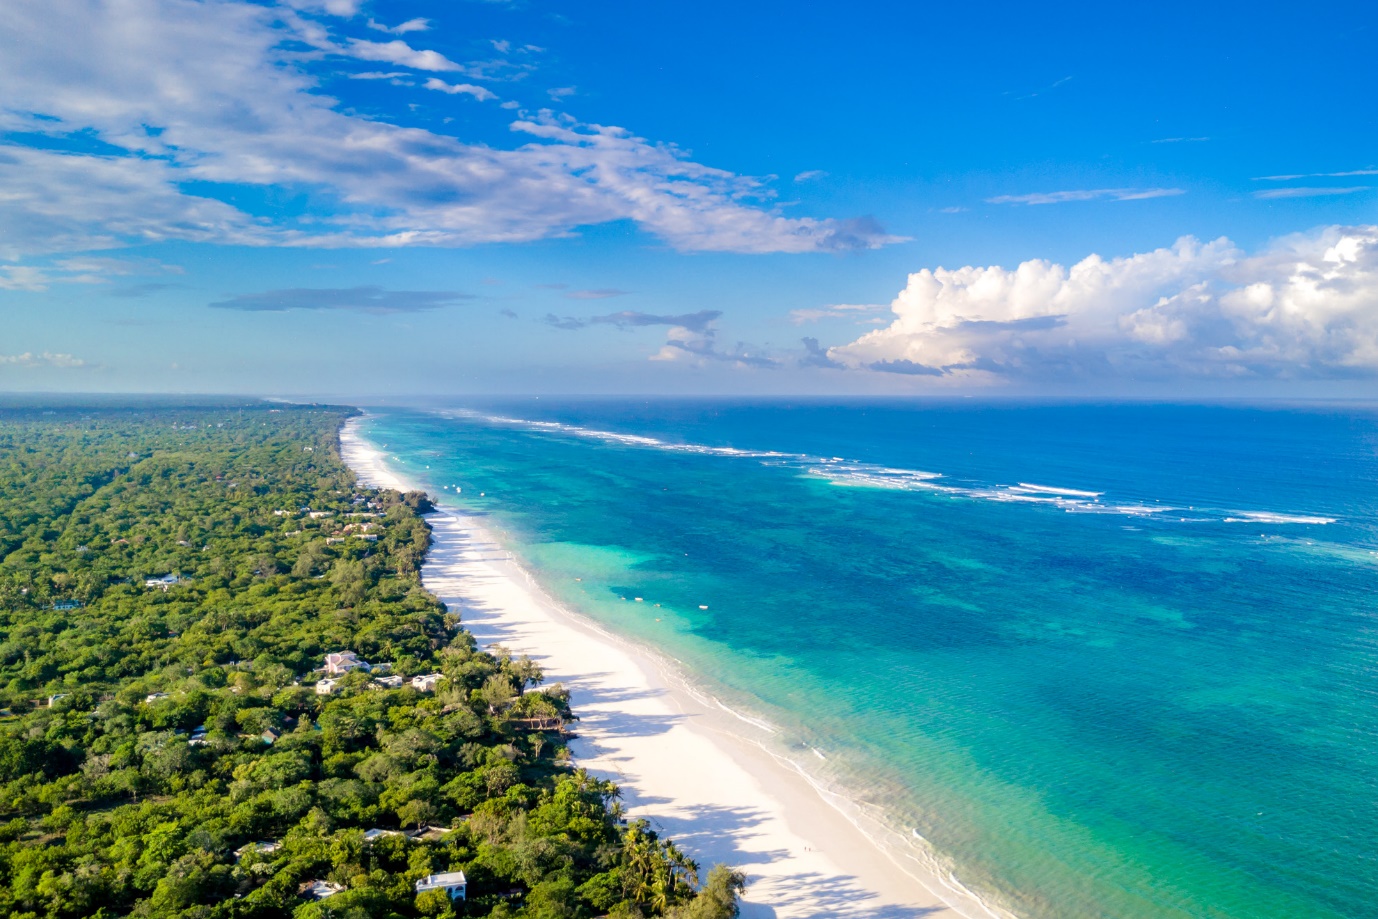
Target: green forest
(172, 578)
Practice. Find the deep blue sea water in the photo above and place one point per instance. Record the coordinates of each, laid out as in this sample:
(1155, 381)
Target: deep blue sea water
(1110, 661)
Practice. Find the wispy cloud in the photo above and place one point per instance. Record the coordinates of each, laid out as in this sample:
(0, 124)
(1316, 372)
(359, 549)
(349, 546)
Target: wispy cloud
(626, 319)
(1087, 194)
(836, 311)
(148, 79)
(1318, 175)
(454, 89)
(45, 359)
(601, 293)
(1180, 140)
(562, 92)
(358, 299)
(1017, 96)
(134, 291)
(810, 175)
(397, 52)
(1310, 192)
(418, 24)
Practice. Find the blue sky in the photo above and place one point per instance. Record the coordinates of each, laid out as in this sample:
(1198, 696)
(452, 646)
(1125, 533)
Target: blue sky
(357, 198)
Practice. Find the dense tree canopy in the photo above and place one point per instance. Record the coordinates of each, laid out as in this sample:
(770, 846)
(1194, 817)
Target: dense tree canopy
(171, 578)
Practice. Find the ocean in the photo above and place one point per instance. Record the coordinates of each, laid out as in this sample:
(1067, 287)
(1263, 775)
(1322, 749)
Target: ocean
(1101, 660)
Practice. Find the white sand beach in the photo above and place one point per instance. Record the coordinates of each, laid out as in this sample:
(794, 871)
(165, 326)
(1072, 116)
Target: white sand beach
(721, 798)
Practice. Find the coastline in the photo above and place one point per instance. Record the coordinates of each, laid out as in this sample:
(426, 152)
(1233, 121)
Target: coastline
(676, 757)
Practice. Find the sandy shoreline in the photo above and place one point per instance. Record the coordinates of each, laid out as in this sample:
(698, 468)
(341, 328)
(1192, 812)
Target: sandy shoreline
(721, 798)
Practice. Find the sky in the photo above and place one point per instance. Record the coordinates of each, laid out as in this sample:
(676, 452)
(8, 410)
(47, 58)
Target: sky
(394, 197)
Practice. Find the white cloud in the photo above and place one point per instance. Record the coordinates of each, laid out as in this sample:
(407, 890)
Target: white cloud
(185, 95)
(1306, 307)
(344, 8)
(418, 24)
(1317, 175)
(394, 75)
(1087, 194)
(836, 311)
(24, 277)
(1313, 192)
(809, 175)
(468, 89)
(46, 359)
(562, 92)
(399, 52)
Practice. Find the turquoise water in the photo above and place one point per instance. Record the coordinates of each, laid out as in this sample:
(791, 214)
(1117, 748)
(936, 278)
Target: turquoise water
(1110, 661)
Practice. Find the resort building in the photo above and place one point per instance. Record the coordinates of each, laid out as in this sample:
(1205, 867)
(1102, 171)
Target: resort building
(162, 582)
(370, 835)
(318, 890)
(325, 687)
(388, 682)
(426, 682)
(452, 882)
(342, 662)
(263, 847)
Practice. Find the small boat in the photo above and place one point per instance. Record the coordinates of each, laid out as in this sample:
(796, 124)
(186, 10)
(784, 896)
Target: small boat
(637, 599)
(703, 607)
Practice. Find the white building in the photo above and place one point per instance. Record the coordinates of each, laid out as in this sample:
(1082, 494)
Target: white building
(426, 682)
(389, 682)
(264, 847)
(342, 662)
(162, 582)
(155, 696)
(452, 882)
(319, 890)
(325, 687)
(370, 835)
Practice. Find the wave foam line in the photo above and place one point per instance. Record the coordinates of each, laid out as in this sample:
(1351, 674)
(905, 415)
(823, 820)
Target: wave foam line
(856, 474)
(1267, 517)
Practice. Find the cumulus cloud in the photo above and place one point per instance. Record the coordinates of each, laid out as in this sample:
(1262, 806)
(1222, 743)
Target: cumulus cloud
(1087, 194)
(359, 299)
(182, 97)
(1305, 307)
(45, 359)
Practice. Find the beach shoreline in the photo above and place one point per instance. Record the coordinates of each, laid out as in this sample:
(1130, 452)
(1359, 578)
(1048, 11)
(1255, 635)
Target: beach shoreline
(721, 796)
